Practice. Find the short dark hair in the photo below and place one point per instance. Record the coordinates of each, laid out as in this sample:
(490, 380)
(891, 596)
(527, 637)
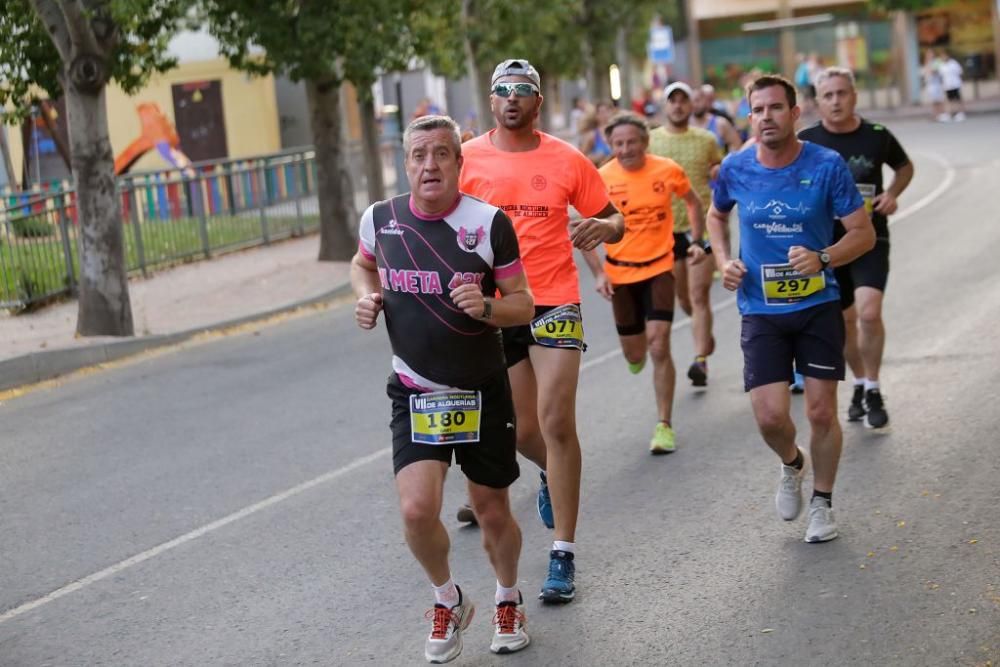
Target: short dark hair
(627, 118)
(770, 80)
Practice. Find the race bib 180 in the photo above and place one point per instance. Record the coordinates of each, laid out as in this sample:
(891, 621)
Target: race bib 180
(560, 327)
(784, 285)
(445, 417)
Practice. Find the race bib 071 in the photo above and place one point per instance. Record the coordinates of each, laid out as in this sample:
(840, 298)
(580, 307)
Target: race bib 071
(560, 327)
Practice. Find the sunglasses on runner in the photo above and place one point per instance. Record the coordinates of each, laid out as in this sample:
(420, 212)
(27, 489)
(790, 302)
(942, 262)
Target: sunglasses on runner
(519, 89)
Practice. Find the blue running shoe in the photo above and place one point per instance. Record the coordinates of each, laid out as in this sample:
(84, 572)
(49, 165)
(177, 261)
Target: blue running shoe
(798, 385)
(545, 503)
(559, 587)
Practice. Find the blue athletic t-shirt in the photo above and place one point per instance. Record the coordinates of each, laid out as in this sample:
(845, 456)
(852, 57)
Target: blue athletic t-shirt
(779, 208)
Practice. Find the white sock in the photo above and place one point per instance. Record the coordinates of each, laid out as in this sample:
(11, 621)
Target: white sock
(859, 382)
(871, 384)
(563, 546)
(446, 594)
(505, 594)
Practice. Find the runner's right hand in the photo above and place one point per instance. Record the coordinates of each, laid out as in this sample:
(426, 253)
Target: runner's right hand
(732, 274)
(367, 309)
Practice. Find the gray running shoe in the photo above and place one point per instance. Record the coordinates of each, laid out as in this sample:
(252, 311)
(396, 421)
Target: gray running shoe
(822, 526)
(444, 644)
(510, 634)
(788, 500)
(856, 411)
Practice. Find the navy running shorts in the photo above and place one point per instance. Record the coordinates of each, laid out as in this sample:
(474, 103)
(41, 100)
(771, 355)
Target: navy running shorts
(812, 339)
(490, 462)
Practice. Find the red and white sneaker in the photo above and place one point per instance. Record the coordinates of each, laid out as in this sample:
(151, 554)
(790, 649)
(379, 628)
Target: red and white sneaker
(444, 644)
(510, 634)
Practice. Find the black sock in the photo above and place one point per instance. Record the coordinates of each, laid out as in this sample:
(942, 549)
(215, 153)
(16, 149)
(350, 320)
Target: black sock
(827, 496)
(798, 462)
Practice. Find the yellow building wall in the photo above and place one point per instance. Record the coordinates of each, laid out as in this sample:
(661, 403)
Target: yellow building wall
(249, 104)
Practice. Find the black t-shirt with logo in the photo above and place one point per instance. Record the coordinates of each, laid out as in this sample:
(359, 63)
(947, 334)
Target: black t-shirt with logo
(865, 150)
(420, 261)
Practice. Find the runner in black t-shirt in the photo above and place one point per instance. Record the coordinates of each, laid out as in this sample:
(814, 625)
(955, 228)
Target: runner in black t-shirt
(428, 258)
(866, 147)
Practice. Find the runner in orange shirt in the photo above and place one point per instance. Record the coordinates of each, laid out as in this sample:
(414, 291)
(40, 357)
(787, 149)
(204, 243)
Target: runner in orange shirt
(535, 178)
(640, 266)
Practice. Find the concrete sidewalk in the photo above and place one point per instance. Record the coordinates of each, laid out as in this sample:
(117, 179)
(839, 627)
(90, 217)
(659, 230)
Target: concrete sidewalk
(173, 305)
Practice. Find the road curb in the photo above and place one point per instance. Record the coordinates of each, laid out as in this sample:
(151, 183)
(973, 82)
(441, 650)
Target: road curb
(49, 364)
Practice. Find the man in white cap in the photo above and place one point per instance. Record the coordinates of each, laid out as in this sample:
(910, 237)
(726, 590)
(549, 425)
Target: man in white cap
(535, 177)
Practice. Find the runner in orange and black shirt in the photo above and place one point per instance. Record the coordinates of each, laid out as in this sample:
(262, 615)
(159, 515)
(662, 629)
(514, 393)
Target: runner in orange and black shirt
(535, 178)
(640, 266)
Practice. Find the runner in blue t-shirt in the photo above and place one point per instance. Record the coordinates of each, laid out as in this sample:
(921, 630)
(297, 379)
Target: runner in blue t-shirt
(789, 192)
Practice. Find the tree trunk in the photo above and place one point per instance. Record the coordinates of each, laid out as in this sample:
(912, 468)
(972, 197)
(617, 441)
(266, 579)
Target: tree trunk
(478, 88)
(104, 307)
(370, 148)
(337, 217)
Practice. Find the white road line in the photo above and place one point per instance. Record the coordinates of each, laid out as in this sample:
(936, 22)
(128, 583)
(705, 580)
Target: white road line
(365, 460)
(193, 535)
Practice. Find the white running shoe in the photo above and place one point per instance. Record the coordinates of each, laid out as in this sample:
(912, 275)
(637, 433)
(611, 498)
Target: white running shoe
(788, 500)
(943, 118)
(444, 644)
(510, 621)
(822, 526)
(959, 117)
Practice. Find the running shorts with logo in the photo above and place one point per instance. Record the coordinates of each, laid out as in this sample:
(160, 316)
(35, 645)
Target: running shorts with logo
(440, 352)
(559, 327)
(795, 205)
(489, 459)
(812, 338)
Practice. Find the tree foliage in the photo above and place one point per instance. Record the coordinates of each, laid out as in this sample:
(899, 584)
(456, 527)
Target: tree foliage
(31, 68)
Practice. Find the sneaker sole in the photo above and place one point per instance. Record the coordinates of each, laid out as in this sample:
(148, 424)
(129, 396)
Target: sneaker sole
(822, 538)
(504, 649)
(555, 597)
(660, 451)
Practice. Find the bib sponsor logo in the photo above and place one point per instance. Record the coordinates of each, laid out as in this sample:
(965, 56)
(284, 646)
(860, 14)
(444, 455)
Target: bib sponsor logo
(470, 240)
(393, 229)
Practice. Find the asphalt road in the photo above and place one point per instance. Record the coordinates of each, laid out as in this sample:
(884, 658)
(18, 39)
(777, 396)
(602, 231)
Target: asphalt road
(231, 502)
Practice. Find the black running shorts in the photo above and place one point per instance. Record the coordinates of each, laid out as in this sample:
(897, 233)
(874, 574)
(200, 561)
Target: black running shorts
(812, 338)
(490, 462)
(869, 270)
(517, 340)
(634, 304)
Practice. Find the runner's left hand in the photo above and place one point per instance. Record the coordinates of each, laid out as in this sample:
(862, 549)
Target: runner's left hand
(603, 286)
(696, 254)
(469, 298)
(885, 203)
(588, 233)
(804, 260)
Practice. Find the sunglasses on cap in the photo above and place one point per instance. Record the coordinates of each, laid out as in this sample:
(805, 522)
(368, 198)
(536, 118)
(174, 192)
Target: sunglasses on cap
(519, 89)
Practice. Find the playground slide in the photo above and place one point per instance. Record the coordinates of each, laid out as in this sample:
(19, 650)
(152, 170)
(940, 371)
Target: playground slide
(157, 133)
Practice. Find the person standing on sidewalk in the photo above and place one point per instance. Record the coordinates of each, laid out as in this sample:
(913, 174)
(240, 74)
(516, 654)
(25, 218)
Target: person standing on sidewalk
(789, 193)
(432, 260)
(535, 178)
(640, 266)
(698, 153)
(866, 147)
(951, 81)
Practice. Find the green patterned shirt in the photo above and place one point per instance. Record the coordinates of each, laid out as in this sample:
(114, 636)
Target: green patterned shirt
(695, 150)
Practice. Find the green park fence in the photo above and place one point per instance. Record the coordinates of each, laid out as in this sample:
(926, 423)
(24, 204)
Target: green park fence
(168, 217)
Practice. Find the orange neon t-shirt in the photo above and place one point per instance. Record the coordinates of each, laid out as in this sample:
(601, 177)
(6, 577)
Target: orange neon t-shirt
(535, 189)
(644, 198)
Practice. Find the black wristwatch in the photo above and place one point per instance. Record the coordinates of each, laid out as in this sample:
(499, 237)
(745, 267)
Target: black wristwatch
(487, 310)
(824, 258)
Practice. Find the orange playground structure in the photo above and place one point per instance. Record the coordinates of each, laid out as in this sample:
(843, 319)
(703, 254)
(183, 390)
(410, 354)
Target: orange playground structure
(158, 134)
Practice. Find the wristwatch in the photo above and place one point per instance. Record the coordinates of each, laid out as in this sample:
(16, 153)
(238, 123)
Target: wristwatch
(487, 310)
(824, 258)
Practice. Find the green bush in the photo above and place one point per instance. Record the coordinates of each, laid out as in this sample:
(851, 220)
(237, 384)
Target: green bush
(31, 227)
